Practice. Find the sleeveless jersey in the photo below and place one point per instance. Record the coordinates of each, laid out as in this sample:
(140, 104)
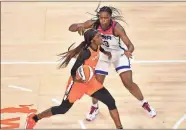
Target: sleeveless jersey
(86, 57)
(111, 42)
(93, 59)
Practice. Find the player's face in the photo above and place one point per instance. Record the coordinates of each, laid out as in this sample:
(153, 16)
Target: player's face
(104, 19)
(97, 38)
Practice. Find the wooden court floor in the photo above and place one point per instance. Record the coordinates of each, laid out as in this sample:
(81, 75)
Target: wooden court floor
(33, 33)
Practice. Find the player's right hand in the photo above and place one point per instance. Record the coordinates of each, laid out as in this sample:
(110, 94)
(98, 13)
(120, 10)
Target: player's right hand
(128, 54)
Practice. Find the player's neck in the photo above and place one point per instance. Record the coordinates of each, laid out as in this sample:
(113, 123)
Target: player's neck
(94, 47)
(107, 26)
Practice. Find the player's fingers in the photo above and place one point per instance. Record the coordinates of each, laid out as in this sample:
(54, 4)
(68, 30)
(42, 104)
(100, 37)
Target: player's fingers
(79, 32)
(82, 30)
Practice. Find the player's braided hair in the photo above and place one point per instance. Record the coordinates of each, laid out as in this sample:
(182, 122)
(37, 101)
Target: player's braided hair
(67, 56)
(114, 13)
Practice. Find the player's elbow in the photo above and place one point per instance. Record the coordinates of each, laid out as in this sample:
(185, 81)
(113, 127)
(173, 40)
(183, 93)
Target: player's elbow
(73, 71)
(70, 28)
(132, 46)
(73, 28)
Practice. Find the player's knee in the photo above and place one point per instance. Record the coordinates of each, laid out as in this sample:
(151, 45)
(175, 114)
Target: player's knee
(62, 109)
(127, 80)
(128, 84)
(111, 104)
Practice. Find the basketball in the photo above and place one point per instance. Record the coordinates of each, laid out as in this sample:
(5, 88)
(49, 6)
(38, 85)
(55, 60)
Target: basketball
(84, 72)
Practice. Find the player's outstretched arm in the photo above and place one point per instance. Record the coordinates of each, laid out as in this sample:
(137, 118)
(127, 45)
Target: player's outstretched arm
(80, 27)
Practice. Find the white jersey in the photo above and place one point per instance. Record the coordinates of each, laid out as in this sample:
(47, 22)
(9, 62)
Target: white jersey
(111, 43)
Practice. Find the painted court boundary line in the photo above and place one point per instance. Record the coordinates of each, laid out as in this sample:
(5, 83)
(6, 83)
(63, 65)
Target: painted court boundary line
(79, 121)
(179, 122)
(52, 62)
(82, 124)
(20, 88)
(56, 101)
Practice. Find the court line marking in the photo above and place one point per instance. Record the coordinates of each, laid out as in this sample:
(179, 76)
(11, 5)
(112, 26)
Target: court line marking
(73, 60)
(80, 121)
(82, 124)
(56, 101)
(179, 121)
(21, 88)
(27, 62)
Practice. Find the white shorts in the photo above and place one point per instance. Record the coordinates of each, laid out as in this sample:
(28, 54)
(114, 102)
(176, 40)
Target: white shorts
(119, 60)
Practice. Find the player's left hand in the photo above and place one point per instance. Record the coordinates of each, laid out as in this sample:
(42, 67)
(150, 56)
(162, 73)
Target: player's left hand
(128, 54)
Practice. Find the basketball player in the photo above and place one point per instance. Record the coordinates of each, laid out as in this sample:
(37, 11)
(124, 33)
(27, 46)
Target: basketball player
(116, 41)
(88, 54)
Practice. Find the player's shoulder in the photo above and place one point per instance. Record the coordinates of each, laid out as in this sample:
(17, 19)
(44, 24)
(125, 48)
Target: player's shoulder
(118, 29)
(85, 52)
(118, 25)
(86, 49)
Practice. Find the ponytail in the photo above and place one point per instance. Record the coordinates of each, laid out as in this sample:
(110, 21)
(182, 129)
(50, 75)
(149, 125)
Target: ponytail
(67, 56)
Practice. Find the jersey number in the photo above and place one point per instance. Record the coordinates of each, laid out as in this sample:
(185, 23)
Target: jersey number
(105, 43)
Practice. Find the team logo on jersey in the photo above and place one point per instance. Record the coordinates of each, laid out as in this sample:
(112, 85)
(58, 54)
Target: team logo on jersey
(106, 37)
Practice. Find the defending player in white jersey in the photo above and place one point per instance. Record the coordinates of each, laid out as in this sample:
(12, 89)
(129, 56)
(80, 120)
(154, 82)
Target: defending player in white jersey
(116, 41)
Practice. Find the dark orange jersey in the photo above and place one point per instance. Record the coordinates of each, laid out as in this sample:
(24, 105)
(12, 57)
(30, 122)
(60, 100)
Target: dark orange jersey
(88, 56)
(93, 59)
(76, 90)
